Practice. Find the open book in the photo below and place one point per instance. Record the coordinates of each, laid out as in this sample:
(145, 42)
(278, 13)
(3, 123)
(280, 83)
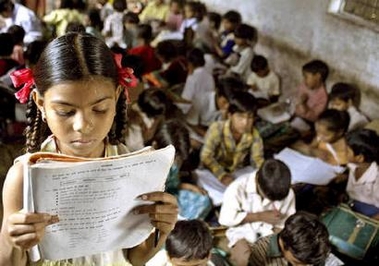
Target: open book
(275, 113)
(93, 199)
(306, 169)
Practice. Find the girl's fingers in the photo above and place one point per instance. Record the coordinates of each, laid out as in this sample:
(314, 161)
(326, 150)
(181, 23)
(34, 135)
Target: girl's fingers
(159, 197)
(29, 218)
(17, 230)
(157, 208)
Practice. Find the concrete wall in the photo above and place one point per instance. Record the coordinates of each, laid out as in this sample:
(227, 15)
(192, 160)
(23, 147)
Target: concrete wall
(292, 32)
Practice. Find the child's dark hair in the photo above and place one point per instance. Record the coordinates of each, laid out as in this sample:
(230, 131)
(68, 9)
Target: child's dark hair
(364, 142)
(72, 57)
(198, 9)
(189, 240)
(215, 18)
(335, 120)
(306, 238)
(75, 26)
(242, 102)
(343, 91)
(5, 5)
(246, 32)
(95, 18)
(179, 2)
(233, 17)
(317, 67)
(196, 57)
(274, 179)
(230, 84)
(6, 44)
(120, 5)
(131, 18)
(167, 50)
(174, 132)
(145, 32)
(258, 63)
(34, 51)
(18, 33)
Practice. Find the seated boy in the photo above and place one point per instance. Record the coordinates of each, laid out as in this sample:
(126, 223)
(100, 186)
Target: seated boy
(189, 243)
(257, 204)
(312, 97)
(231, 147)
(264, 82)
(303, 241)
(342, 97)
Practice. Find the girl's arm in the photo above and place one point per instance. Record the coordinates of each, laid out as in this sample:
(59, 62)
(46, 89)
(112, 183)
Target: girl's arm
(163, 214)
(20, 231)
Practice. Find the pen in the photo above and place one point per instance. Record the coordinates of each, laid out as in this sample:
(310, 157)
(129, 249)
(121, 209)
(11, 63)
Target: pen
(156, 237)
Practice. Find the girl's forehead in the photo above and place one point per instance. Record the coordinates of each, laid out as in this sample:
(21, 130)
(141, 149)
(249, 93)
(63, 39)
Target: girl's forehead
(81, 91)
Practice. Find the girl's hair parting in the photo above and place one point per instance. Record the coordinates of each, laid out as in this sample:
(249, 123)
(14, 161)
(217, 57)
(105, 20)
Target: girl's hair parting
(72, 57)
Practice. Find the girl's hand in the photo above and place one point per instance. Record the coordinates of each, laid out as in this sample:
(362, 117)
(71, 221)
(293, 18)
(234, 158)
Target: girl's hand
(163, 213)
(25, 230)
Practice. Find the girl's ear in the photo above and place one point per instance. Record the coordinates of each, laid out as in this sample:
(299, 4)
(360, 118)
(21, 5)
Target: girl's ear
(38, 100)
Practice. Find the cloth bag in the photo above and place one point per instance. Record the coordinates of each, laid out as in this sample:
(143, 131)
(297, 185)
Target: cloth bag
(353, 234)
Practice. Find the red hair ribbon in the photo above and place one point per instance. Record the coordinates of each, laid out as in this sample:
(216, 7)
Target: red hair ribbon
(23, 77)
(126, 77)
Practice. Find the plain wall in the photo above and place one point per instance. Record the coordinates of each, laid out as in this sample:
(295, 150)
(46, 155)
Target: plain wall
(293, 32)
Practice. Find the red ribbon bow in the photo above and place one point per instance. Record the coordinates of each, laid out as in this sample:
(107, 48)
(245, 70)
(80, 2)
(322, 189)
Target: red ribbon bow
(23, 77)
(126, 77)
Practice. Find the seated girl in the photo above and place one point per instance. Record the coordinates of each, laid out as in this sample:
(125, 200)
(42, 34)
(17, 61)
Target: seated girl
(329, 143)
(363, 181)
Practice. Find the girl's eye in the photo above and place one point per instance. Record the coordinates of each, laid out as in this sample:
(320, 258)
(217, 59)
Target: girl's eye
(100, 111)
(65, 113)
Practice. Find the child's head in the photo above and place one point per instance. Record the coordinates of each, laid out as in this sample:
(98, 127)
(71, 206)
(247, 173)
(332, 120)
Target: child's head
(245, 35)
(214, 20)
(145, 33)
(241, 111)
(78, 95)
(130, 20)
(273, 180)
(259, 66)
(18, 33)
(189, 243)
(173, 132)
(230, 20)
(33, 52)
(363, 146)
(93, 19)
(119, 5)
(153, 102)
(6, 44)
(6, 8)
(75, 26)
(176, 6)
(342, 96)
(331, 125)
(194, 9)
(315, 73)
(195, 58)
(304, 240)
(166, 51)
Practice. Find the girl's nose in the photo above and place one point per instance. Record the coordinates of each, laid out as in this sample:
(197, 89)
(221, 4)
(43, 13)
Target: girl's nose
(83, 123)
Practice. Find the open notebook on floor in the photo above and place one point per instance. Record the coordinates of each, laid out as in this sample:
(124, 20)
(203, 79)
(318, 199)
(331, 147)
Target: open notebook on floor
(306, 169)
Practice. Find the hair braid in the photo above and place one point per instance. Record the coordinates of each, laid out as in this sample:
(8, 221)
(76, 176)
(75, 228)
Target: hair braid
(116, 134)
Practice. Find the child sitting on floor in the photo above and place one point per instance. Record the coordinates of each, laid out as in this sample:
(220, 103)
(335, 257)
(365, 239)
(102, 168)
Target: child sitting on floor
(363, 181)
(342, 97)
(329, 143)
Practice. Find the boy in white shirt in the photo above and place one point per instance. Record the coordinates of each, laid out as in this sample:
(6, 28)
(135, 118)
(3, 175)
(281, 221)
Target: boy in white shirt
(257, 204)
(342, 98)
(264, 82)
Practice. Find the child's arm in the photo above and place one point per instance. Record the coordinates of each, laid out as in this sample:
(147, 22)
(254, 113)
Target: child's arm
(163, 214)
(20, 231)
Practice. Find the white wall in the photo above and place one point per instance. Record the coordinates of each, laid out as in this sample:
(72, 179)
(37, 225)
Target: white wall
(292, 32)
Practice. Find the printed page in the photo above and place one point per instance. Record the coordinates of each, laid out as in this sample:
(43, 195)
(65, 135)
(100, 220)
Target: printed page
(306, 169)
(94, 202)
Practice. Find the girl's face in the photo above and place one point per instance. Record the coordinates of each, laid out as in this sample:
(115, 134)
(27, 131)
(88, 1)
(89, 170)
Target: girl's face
(80, 114)
(324, 134)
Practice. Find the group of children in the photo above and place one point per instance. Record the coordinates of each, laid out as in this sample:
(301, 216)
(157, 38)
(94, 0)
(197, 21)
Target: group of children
(200, 90)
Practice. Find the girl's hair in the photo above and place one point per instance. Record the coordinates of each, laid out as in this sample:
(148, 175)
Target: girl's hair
(364, 142)
(175, 133)
(336, 121)
(18, 33)
(72, 57)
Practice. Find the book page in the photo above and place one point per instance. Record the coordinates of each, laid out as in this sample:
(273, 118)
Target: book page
(94, 202)
(306, 169)
(274, 113)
